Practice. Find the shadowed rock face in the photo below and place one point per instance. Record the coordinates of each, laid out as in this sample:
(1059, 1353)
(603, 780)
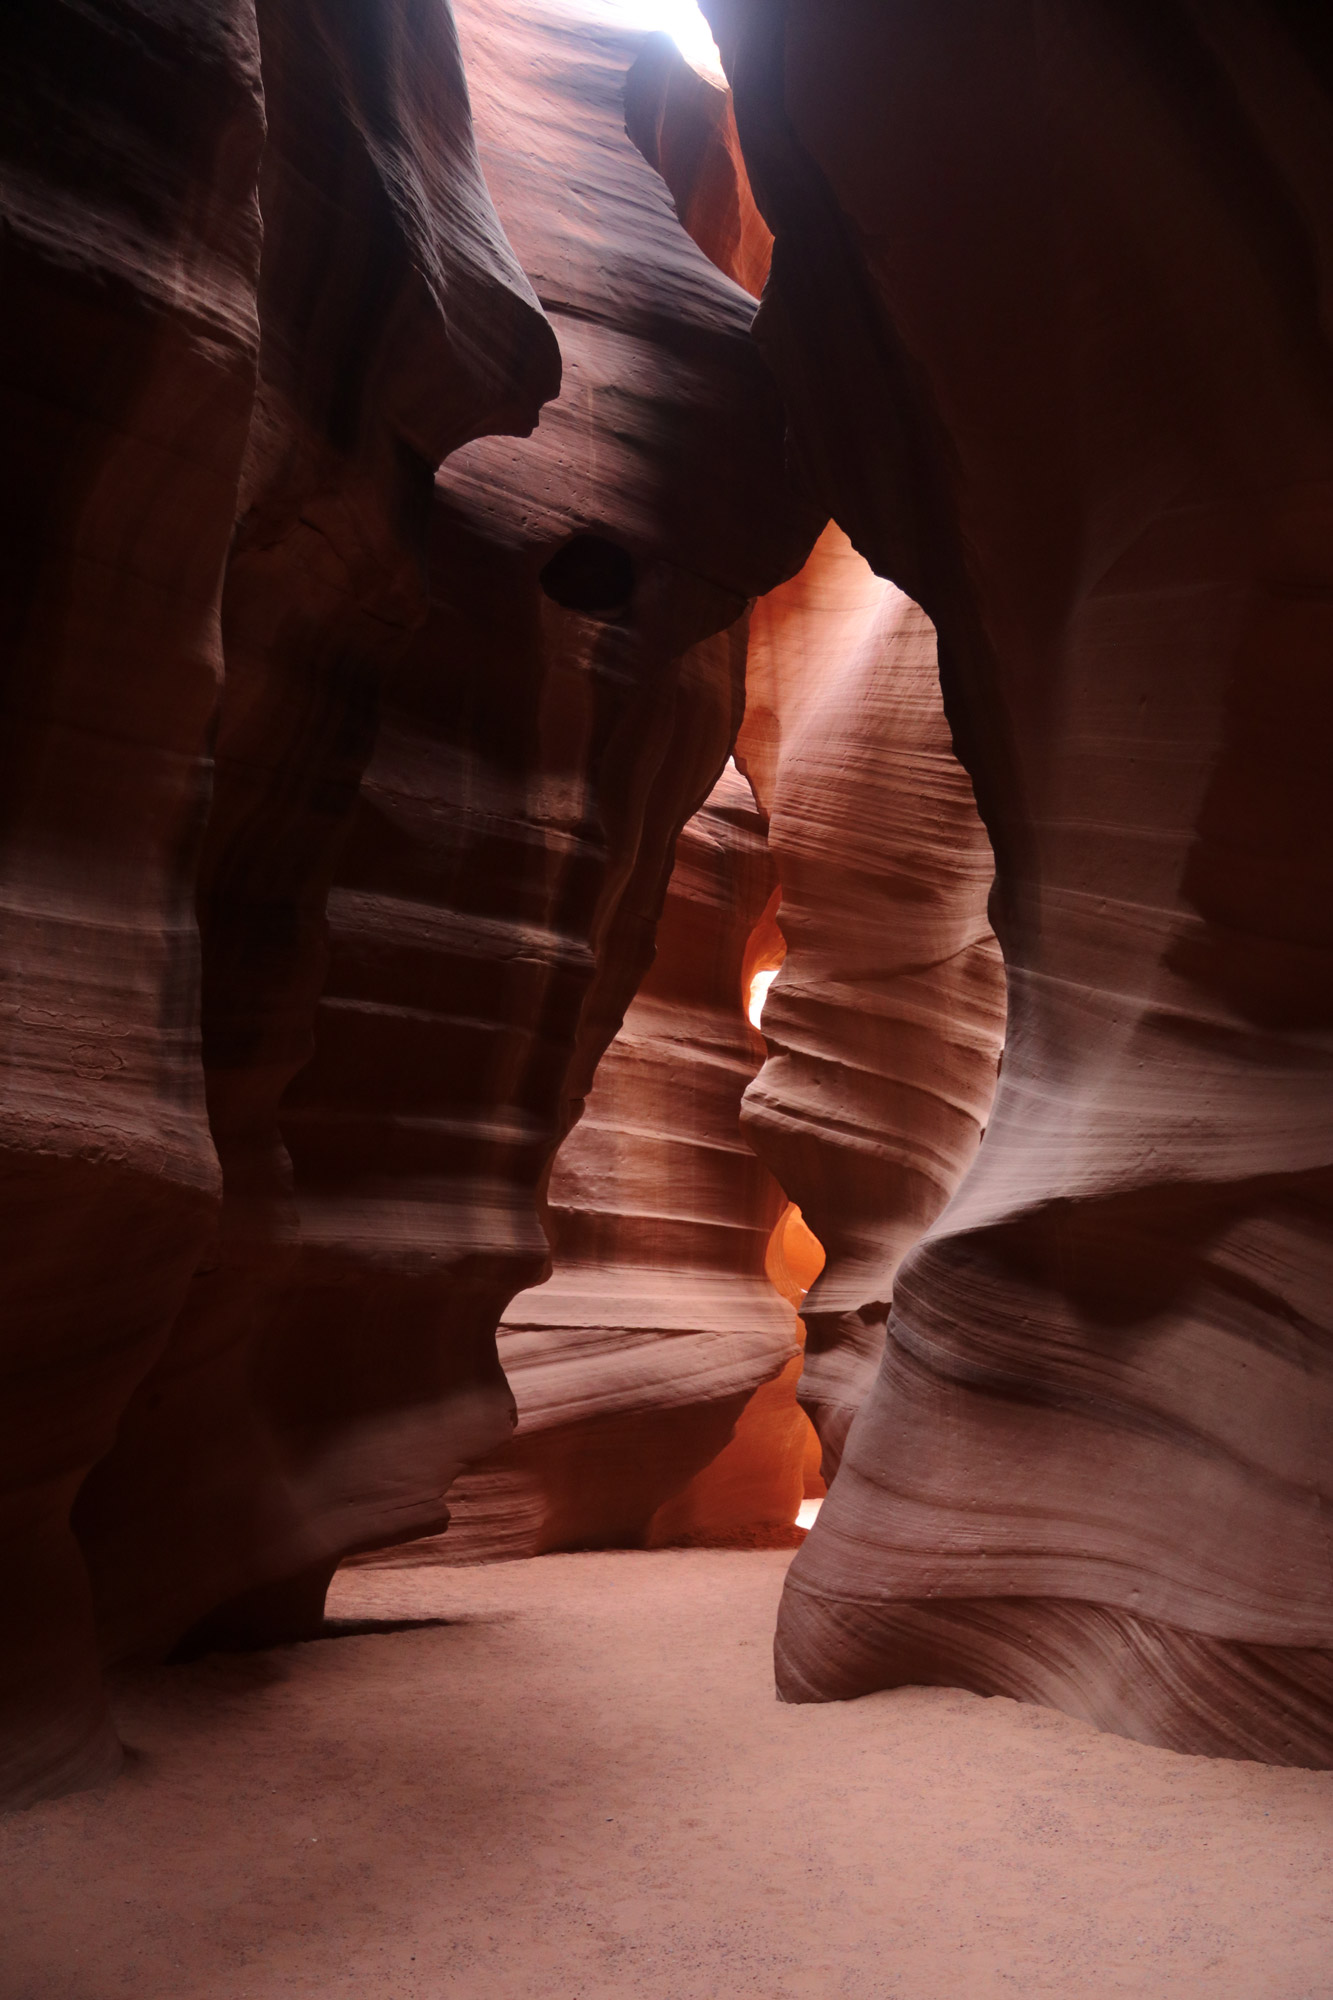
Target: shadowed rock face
(885, 1029)
(175, 394)
(684, 125)
(884, 1024)
(581, 730)
(1051, 313)
(495, 875)
(632, 1363)
(129, 239)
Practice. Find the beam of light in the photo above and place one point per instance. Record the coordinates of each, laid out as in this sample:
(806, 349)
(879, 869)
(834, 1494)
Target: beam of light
(807, 1513)
(759, 986)
(679, 18)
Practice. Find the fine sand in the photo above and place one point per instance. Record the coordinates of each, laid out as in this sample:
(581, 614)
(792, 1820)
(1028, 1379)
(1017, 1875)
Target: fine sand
(572, 1779)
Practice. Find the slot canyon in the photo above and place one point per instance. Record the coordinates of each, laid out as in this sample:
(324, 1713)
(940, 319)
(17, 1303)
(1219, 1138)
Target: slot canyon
(666, 1005)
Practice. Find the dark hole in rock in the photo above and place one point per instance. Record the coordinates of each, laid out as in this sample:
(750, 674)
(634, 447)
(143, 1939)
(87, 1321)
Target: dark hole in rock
(590, 573)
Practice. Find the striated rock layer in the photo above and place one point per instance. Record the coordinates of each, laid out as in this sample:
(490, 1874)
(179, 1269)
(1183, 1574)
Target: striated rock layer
(613, 1417)
(685, 127)
(130, 138)
(885, 1022)
(493, 880)
(886, 1027)
(392, 330)
(750, 1495)
(176, 395)
(1050, 313)
(632, 1364)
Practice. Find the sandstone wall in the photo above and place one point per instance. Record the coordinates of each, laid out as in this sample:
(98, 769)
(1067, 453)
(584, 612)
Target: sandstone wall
(633, 1362)
(1051, 313)
(129, 238)
(685, 127)
(885, 1022)
(492, 881)
(177, 398)
(886, 1025)
(394, 325)
(307, 753)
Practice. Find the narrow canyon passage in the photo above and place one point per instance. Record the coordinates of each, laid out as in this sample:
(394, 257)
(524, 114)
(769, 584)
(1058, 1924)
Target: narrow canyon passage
(571, 1779)
(666, 1000)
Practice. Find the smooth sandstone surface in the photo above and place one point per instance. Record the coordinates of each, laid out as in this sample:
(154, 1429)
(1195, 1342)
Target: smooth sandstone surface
(339, 804)
(499, 895)
(885, 1032)
(885, 1021)
(1049, 320)
(493, 822)
(130, 138)
(684, 125)
(362, 1818)
(632, 1364)
(394, 324)
(309, 753)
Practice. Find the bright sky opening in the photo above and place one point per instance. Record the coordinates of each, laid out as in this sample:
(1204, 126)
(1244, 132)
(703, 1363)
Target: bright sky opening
(679, 18)
(759, 986)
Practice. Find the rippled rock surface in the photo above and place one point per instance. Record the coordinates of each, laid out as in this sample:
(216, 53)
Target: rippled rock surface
(1050, 313)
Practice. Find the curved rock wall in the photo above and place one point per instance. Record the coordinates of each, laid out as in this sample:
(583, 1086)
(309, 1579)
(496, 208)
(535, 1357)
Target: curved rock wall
(685, 127)
(129, 232)
(1050, 316)
(495, 878)
(175, 397)
(395, 324)
(885, 1021)
(887, 1025)
(750, 1495)
(633, 1362)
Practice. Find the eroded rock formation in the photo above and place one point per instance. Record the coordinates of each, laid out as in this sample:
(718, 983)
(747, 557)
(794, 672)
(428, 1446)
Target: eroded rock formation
(340, 800)
(226, 536)
(175, 395)
(395, 325)
(684, 125)
(568, 701)
(888, 1018)
(129, 146)
(633, 1362)
(885, 1022)
(1050, 310)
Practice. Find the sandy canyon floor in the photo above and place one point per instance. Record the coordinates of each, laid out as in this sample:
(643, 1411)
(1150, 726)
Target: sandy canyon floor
(570, 1778)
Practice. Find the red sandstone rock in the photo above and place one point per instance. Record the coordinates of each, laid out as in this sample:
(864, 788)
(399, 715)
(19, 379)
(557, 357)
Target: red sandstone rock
(136, 307)
(595, 1477)
(569, 700)
(885, 1022)
(633, 1362)
(129, 141)
(684, 125)
(821, 646)
(393, 330)
(1048, 315)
